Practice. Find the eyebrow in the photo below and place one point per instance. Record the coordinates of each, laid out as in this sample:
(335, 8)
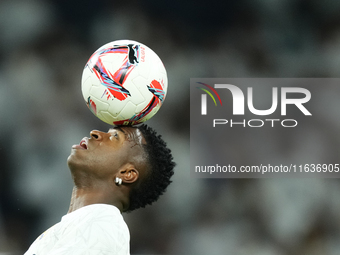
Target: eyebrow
(118, 128)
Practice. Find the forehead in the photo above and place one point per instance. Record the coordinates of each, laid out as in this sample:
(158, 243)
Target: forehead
(131, 134)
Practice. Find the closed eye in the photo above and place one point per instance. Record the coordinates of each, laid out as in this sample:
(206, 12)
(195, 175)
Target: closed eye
(117, 132)
(114, 133)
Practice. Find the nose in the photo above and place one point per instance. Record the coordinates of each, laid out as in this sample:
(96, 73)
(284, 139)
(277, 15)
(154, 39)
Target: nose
(97, 135)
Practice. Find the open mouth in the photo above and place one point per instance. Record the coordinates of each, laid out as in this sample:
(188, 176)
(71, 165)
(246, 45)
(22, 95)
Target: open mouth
(83, 144)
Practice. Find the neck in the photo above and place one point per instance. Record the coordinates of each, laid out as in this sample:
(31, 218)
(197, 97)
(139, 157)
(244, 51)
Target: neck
(86, 196)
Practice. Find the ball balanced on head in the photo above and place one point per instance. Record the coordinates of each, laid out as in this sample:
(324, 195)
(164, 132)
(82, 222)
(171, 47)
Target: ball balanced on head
(124, 83)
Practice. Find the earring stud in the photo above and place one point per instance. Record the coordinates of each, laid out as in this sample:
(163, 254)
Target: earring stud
(118, 181)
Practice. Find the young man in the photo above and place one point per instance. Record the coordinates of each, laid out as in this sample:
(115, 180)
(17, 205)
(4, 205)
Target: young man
(118, 171)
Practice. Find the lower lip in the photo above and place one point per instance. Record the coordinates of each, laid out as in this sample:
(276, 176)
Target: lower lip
(77, 146)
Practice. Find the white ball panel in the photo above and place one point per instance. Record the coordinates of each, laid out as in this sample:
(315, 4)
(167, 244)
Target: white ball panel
(106, 117)
(128, 109)
(85, 88)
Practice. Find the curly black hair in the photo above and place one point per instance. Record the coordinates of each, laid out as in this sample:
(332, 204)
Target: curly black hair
(160, 170)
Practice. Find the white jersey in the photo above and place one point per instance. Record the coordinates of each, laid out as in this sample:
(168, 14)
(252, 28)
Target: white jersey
(97, 229)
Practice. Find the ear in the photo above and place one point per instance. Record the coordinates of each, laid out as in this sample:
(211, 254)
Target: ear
(128, 174)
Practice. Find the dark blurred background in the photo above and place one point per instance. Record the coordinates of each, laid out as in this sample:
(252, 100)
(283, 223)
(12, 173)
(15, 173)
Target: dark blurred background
(44, 46)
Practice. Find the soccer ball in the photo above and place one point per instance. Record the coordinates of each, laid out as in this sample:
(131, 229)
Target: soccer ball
(124, 83)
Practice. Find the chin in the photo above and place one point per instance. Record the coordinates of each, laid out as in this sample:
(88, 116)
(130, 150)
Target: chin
(77, 165)
(72, 162)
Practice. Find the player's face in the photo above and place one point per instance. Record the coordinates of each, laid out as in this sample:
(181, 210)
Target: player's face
(103, 153)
